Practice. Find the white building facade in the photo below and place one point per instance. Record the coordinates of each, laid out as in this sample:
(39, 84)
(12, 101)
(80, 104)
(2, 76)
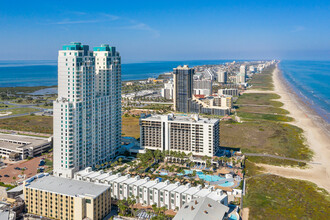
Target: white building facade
(149, 192)
(188, 134)
(87, 112)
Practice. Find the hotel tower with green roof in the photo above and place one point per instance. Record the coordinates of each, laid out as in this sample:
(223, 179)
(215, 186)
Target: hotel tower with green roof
(87, 112)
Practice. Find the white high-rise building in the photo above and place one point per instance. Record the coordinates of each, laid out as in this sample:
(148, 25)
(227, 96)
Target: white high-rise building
(199, 136)
(87, 112)
(222, 76)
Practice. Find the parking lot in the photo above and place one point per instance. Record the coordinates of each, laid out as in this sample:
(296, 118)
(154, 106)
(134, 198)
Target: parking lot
(31, 170)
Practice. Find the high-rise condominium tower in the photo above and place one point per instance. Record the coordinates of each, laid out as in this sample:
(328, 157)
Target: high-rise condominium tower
(87, 112)
(183, 88)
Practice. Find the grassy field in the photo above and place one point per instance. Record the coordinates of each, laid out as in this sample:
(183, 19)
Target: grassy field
(3, 106)
(38, 124)
(264, 80)
(262, 110)
(259, 116)
(259, 99)
(265, 137)
(44, 124)
(17, 111)
(130, 127)
(274, 197)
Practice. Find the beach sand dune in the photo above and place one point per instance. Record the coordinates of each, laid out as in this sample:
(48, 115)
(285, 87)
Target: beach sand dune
(316, 132)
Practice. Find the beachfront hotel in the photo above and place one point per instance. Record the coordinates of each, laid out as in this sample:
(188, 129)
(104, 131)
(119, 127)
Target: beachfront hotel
(189, 134)
(148, 192)
(183, 88)
(62, 198)
(87, 112)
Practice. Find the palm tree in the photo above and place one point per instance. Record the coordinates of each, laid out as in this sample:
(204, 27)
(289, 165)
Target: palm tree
(122, 206)
(131, 201)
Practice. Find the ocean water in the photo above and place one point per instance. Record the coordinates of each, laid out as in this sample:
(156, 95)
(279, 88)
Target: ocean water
(44, 73)
(311, 81)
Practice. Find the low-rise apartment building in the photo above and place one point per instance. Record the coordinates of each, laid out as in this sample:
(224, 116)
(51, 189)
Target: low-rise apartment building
(189, 134)
(61, 198)
(230, 91)
(149, 192)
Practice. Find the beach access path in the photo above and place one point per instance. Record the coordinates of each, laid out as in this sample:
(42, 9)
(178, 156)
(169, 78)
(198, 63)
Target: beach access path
(316, 136)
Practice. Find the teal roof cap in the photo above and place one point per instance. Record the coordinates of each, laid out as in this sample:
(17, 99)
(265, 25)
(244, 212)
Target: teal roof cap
(73, 46)
(103, 47)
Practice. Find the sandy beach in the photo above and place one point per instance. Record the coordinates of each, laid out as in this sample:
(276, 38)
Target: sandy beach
(315, 131)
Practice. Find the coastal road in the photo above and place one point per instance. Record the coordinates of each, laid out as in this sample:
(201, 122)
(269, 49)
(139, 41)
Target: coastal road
(18, 115)
(279, 157)
(38, 109)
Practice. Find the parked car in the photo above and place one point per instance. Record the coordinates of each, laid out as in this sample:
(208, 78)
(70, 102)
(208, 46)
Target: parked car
(6, 175)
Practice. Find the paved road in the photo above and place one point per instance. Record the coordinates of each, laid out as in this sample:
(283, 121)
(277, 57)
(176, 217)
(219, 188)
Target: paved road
(38, 109)
(18, 115)
(19, 105)
(279, 157)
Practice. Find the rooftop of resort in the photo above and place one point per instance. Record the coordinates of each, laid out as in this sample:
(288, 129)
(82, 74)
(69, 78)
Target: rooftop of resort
(65, 186)
(202, 208)
(181, 118)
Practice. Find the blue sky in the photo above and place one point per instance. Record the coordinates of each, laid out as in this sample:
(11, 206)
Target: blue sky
(168, 30)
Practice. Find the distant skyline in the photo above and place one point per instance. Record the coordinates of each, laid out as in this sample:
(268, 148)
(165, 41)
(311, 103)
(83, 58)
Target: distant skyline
(168, 30)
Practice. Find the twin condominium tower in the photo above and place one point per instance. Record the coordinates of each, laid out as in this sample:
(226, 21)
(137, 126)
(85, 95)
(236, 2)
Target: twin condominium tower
(87, 112)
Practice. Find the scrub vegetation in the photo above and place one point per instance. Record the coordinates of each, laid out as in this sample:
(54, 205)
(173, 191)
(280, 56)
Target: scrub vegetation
(275, 197)
(32, 123)
(263, 81)
(130, 126)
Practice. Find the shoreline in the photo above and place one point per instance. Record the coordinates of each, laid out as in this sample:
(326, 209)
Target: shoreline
(305, 107)
(315, 132)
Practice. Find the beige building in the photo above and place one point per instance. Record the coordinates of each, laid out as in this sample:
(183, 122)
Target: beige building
(60, 198)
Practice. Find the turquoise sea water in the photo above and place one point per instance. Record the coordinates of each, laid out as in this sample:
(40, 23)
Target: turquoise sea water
(44, 73)
(311, 81)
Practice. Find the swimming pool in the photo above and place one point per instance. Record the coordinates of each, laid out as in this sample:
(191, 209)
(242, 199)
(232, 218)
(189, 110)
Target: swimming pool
(232, 217)
(201, 175)
(163, 174)
(226, 184)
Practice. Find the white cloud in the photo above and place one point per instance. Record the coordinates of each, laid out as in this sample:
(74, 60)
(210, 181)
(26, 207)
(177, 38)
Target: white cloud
(124, 23)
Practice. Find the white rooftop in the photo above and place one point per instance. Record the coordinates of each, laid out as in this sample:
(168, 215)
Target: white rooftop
(140, 182)
(121, 179)
(202, 208)
(112, 177)
(171, 186)
(216, 196)
(150, 183)
(202, 193)
(68, 187)
(181, 189)
(160, 185)
(181, 118)
(131, 180)
(103, 176)
(192, 190)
